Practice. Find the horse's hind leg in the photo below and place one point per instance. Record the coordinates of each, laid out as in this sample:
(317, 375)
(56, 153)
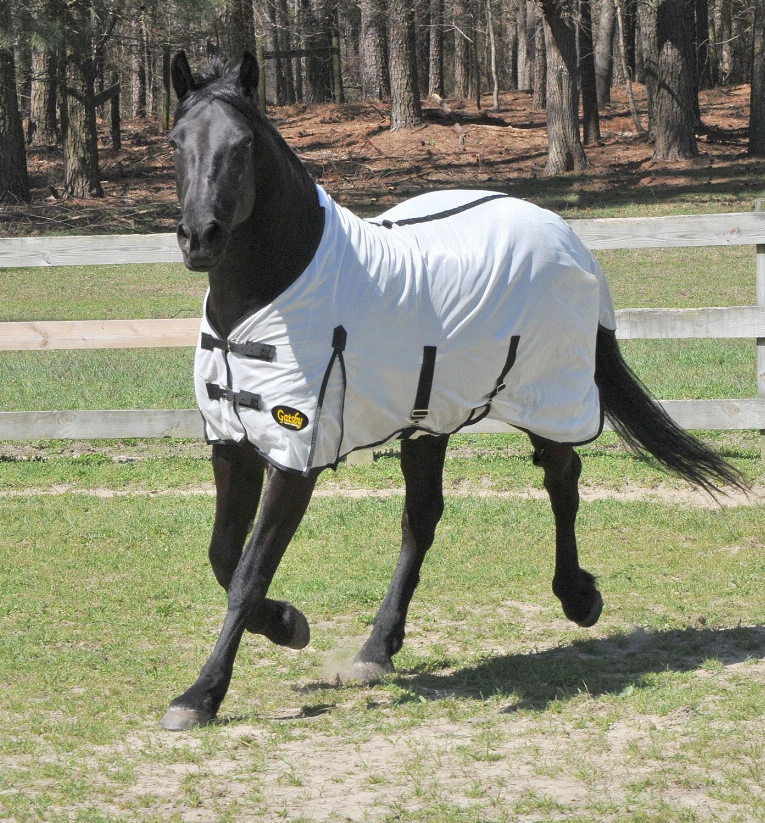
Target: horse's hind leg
(239, 483)
(573, 586)
(422, 462)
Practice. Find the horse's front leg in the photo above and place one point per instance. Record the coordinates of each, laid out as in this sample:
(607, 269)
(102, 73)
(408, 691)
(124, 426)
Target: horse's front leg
(422, 463)
(572, 585)
(284, 503)
(239, 476)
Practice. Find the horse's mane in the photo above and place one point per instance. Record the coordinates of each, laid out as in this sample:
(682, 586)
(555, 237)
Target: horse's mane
(217, 81)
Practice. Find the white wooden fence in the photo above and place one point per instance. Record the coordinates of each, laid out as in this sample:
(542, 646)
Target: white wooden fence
(657, 232)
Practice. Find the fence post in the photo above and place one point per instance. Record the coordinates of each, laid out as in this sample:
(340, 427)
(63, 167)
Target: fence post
(760, 290)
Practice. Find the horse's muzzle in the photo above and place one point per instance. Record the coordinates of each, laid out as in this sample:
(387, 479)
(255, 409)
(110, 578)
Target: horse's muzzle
(202, 248)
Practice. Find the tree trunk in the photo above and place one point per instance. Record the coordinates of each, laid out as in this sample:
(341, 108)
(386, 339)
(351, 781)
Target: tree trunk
(675, 108)
(436, 61)
(757, 97)
(525, 49)
(138, 70)
(404, 91)
(318, 67)
(703, 61)
(564, 148)
(591, 121)
(238, 28)
(373, 56)
(461, 50)
(422, 41)
(81, 167)
(42, 119)
(492, 57)
(539, 100)
(509, 53)
(284, 38)
(13, 162)
(604, 50)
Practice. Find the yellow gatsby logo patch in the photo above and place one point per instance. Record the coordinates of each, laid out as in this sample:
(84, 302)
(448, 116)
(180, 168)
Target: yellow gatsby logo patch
(289, 418)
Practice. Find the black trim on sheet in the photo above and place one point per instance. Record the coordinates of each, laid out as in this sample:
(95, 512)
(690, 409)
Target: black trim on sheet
(442, 215)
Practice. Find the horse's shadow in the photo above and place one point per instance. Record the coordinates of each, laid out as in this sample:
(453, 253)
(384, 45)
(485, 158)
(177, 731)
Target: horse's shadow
(601, 666)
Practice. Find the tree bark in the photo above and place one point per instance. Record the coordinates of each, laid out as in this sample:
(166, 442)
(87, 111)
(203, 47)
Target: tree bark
(604, 50)
(564, 148)
(493, 57)
(591, 121)
(81, 166)
(238, 28)
(317, 22)
(436, 57)
(373, 52)
(461, 50)
(14, 183)
(284, 38)
(675, 90)
(525, 48)
(42, 118)
(757, 96)
(703, 62)
(539, 100)
(138, 70)
(404, 91)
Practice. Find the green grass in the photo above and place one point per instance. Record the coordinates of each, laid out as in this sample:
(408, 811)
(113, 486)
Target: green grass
(500, 709)
(101, 293)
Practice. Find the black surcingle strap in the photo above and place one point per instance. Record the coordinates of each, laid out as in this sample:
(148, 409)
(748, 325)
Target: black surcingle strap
(258, 351)
(509, 362)
(425, 384)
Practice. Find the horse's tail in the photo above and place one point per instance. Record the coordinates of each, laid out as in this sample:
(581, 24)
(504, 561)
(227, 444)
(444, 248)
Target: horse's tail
(646, 428)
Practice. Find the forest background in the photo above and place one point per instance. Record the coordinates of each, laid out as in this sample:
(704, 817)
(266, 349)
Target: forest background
(69, 68)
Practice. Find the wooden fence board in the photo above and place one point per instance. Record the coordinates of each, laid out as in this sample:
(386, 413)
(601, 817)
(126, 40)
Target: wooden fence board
(95, 425)
(98, 250)
(150, 423)
(98, 334)
(742, 229)
(745, 228)
(724, 322)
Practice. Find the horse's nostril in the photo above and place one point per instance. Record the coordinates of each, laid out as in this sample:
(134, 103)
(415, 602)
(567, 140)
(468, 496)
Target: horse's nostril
(183, 232)
(212, 233)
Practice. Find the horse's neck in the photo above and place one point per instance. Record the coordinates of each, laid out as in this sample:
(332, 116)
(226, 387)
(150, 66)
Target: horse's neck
(267, 252)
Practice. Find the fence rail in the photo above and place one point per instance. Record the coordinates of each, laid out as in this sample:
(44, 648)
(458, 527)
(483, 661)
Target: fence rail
(618, 233)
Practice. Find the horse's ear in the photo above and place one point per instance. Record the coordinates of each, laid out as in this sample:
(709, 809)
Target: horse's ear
(249, 72)
(183, 79)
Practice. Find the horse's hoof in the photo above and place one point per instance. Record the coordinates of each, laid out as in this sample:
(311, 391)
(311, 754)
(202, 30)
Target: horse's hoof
(284, 625)
(179, 719)
(301, 632)
(369, 672)
(594, 614)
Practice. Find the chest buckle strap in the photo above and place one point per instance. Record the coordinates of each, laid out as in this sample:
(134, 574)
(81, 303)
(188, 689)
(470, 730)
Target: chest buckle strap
(243, 398)
(258, 351)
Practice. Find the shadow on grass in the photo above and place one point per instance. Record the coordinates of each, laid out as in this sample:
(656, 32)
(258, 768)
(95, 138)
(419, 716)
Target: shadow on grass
(599, 666)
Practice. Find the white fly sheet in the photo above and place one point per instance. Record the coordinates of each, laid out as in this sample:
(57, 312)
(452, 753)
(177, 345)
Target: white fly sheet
(449, 307)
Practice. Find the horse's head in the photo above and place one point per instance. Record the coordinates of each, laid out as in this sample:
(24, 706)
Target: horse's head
(214, 156)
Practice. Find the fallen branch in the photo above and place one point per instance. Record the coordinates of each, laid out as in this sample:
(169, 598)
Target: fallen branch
(453, 117)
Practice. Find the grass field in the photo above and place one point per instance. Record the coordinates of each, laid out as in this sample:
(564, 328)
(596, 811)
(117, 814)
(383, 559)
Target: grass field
(500, 710)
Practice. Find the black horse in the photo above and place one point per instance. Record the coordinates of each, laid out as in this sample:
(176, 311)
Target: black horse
(251, 218)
